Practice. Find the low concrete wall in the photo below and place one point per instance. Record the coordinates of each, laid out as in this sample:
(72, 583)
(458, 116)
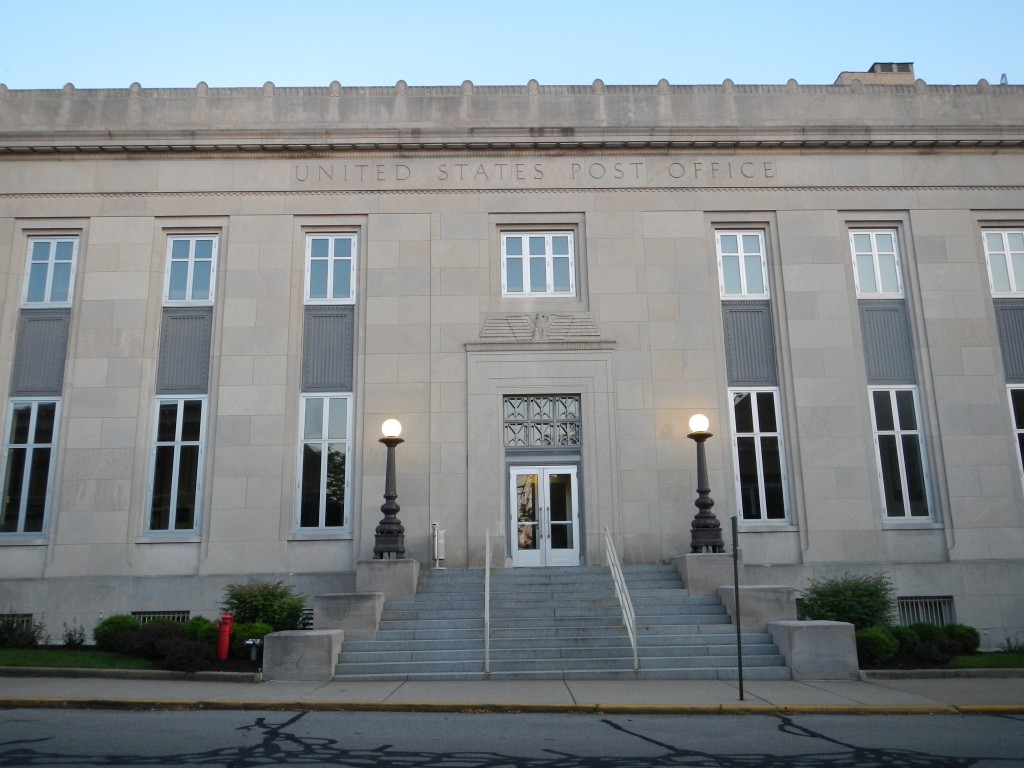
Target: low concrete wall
(301, 654)
(759, 605)
(817, 650)
(358, 615)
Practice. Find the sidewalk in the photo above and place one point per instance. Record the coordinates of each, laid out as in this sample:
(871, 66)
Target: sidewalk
(974, 694)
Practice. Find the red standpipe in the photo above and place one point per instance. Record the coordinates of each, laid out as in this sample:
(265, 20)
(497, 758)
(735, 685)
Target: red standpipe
(224, 635)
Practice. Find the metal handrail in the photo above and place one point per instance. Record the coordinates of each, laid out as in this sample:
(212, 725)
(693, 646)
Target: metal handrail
(487, 604)
(622, 592)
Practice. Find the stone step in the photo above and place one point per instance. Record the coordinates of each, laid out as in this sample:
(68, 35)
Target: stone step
(561, 623)
(760, 673)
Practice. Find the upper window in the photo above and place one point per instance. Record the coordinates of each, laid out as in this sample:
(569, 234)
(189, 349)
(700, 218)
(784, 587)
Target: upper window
(876, 264)
(323, 458)
(191, 269)
(760, 468)
(1004, 252)
(50, 273)
(538, 264)
(330, 268)
(742, 267)
(28, 465)
(900, 452)
(177, 464)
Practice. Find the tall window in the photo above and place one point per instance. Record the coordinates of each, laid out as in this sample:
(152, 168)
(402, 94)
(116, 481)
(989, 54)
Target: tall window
(538, 264)
(757, 442)
(330, 268)
(1017, 409)
(191, 269)
(28, 465)
(323, 456)
(900, 451)
(1004, 252)
(876, 264)
(177, 473)
(742, 267)
(50, 273)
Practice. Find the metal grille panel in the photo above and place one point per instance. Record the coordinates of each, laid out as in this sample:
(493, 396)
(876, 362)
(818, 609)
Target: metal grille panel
(933, 610)
(888, 349)
(40, 353)
(549, 421)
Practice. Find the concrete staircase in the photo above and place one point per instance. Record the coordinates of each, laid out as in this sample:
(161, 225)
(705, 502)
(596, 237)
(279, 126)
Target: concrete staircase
(556, 623)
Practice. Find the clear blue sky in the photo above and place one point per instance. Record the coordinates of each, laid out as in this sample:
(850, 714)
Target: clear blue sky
(178, 43)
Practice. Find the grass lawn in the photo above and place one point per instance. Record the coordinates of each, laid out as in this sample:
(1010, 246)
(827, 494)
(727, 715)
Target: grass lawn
(998, 660)
(64, 657)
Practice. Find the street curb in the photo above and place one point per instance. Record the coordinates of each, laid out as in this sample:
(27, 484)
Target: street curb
(938, 674)
(485, 708)
(132, 674)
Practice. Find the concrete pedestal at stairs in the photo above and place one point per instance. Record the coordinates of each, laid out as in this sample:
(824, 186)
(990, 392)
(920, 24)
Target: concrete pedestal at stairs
(817, 650)
(396, 579)
(358, 615)
(301, 654)
(759, 605)
(704, 573)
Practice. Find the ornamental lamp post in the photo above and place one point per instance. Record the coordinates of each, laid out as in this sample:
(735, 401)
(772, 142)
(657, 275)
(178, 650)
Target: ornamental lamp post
(705, 530)
(389, 537)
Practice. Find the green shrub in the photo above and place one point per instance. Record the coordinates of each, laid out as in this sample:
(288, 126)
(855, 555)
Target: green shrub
(962, 639)
(15, 633)
(183, 655)
(272, 603)
(151, 640)
(112, 633)
(242, 632)
(199, 629)
(864, 601)
(907, 638)
(74, 635)
(929, 633)
(875, 646)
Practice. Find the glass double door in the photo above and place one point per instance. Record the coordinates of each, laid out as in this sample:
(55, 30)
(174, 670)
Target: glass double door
(544, 515)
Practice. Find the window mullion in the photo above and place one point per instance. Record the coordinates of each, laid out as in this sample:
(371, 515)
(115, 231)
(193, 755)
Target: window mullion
(26, 473)
(51, 267)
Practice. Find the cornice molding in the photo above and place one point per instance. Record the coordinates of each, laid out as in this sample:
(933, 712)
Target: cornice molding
(199, 144)
(531, 118)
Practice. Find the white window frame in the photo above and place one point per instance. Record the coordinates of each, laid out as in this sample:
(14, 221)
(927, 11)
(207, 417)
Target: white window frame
(1017, 423)
(31, 447)
(549, 257)
(876, 255)
(1006, 254)
(177, 444)
(746, 290)
(899, 432)
(333, 263)
(53, 242)
(191, 261)
(757, 434)
(323, 441)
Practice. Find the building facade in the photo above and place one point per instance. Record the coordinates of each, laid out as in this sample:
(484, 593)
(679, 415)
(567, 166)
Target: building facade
(212, 299)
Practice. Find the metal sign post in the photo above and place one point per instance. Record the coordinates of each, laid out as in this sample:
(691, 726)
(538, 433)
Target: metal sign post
(736, 597)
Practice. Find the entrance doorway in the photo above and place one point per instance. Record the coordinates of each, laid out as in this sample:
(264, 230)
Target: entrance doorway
(544, 515)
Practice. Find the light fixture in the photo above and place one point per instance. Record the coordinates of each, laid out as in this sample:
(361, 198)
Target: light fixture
(705, 530)
(389, 537)
(699, 423)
